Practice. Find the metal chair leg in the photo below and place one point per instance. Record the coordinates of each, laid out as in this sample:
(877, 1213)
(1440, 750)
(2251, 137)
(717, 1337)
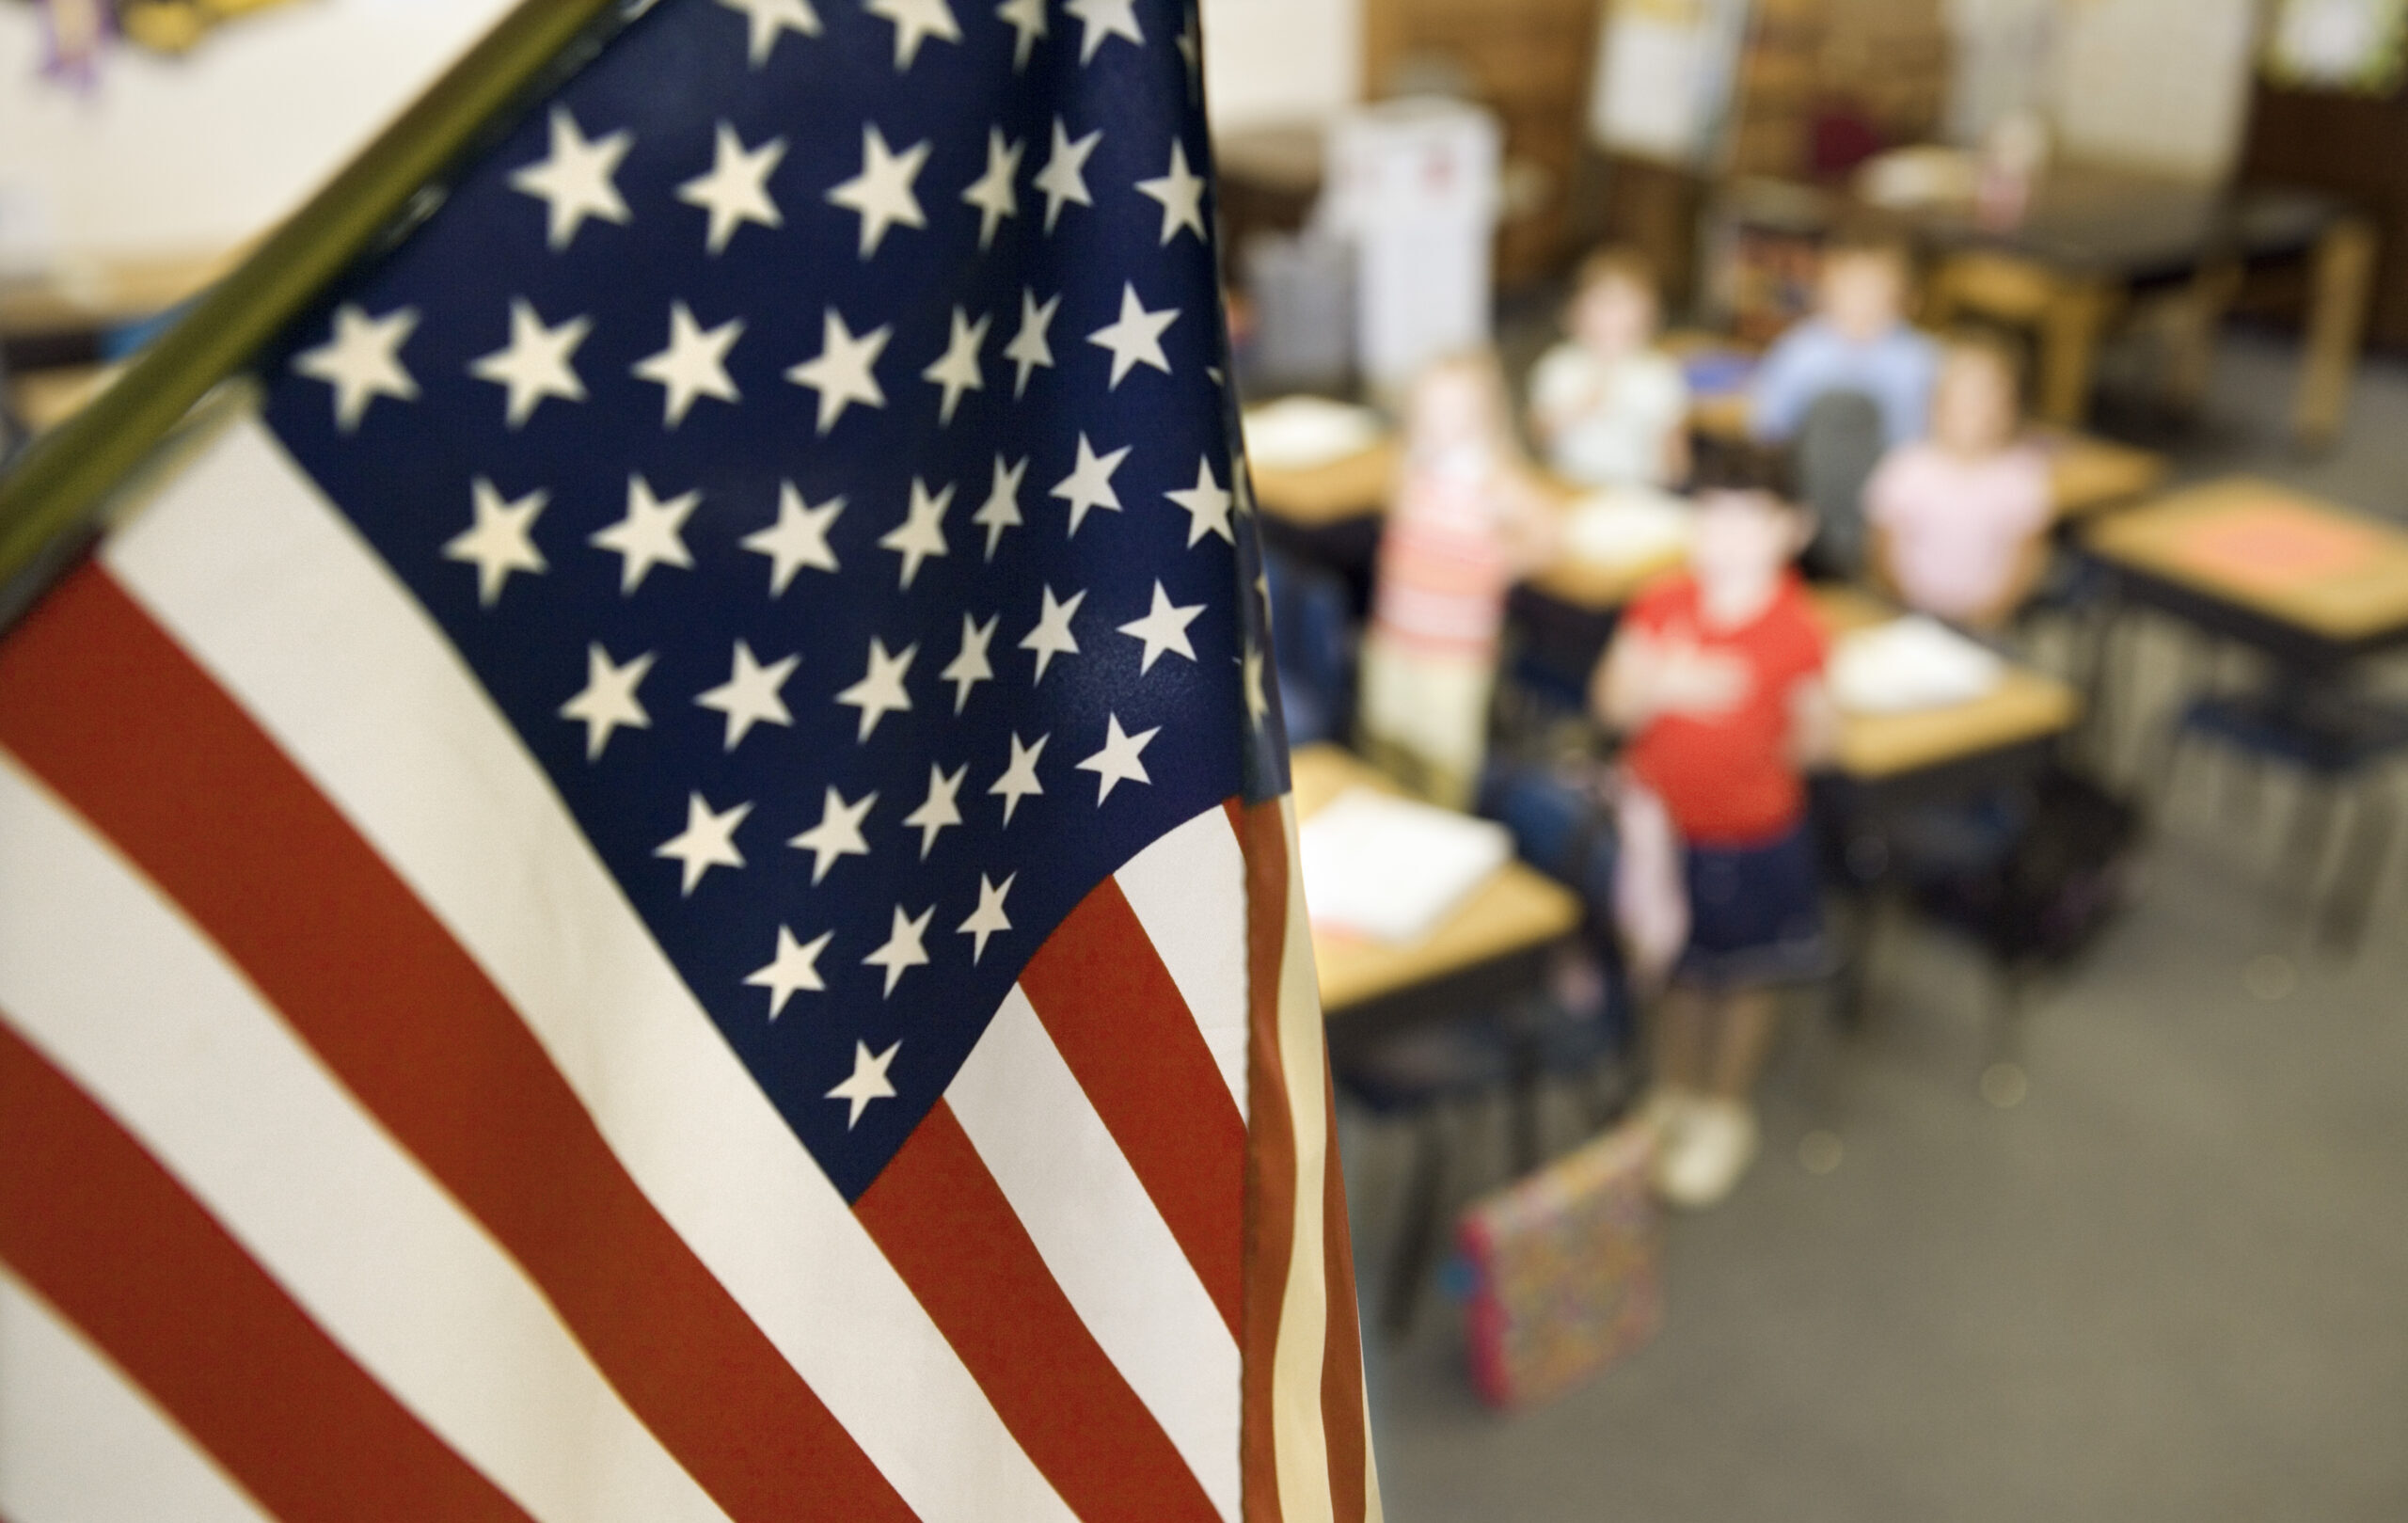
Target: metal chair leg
(2362, 857)
(1409, 1266)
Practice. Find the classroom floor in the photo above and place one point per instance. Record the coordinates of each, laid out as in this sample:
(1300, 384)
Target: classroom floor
(2170, 1283)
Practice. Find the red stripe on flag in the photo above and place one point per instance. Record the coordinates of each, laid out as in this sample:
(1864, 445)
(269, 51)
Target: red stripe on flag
(1271, 1152)
(1121, 1024)
(1341, 1368)
(944, 1224)
(91, 1221)
(122, 723)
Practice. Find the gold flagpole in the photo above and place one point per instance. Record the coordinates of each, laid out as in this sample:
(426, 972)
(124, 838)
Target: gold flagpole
(59, 484)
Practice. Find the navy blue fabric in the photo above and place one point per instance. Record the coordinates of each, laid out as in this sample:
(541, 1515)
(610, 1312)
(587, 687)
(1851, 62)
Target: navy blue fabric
(1756, 912)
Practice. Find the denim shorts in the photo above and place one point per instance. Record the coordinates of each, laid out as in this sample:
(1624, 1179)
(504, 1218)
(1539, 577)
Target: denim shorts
(1755, 913)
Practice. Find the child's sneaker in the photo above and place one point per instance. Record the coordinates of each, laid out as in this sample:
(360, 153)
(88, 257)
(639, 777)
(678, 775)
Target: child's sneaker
(1712, 1147)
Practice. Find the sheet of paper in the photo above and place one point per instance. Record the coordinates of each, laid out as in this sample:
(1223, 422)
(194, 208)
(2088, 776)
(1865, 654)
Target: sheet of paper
(1908, 664)
(1300, 433)
(1627, 526)
(1392, 869)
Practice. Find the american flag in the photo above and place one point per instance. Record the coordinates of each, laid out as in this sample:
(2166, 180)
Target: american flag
(655, 883)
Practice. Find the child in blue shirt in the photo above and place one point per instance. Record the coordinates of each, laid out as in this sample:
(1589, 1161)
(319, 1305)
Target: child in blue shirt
(1857, 340)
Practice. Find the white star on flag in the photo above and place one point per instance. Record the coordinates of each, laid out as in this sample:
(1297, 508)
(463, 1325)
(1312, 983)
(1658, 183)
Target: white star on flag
(694, 364)
(989, 917)
(992, 193)
(362, 362)
(841, 373)
(837, 834)
(797, 539)
(608, 701)
(915, 21)
(1020, 775)
(794, 968)
(1102, 19)
(921, 535)
(971, 667)
(651, 534)
(1030, 347)
(707, 841)
(867, 1082)
(1207, 504)
(1089, 483)
(1118, 763)
(767, 19)
(1135, 338)
(500, 539)
(938, 810)
(534, 364)
(881, 193)
(1027, 18)
(880, 691)
(903, 950)
(1001, 511)
(736, 189)
(957, 369)
(1051, 637)
(574, 181)
(1163, 627)
(750, 695)
(1181, 192)
(1064, 176)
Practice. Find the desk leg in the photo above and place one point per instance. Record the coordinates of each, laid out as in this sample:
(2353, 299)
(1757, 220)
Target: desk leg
(2070, 330)
(2337, 318)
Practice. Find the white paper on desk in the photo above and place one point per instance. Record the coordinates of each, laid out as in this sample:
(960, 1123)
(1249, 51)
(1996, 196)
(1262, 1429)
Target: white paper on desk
(1910, 663)
(1392, 869)
(1627, 526)
(1300, 433)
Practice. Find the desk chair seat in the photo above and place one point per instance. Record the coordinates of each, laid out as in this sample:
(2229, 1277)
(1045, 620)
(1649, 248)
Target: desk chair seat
(2334, 738)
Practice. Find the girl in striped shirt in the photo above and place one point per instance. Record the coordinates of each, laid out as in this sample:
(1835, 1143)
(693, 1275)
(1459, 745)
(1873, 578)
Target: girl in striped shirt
(1469, 518)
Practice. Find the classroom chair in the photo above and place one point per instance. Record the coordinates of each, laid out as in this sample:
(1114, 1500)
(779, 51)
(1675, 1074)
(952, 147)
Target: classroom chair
(2334, 739)
(1312, 649)
(1838, 444)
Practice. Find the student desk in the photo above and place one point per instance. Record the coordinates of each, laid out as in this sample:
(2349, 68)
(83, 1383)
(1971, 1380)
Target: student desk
(1497, 940)
(2313, 584)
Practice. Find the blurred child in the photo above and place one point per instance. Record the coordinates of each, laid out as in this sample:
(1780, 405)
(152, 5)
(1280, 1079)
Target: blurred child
(1468, 521)
(1960, 521)
(1856, 340)
(1608, 409)
(1716, 678)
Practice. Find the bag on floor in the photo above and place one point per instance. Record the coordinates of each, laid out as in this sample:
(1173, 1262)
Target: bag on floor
(1562, 1270)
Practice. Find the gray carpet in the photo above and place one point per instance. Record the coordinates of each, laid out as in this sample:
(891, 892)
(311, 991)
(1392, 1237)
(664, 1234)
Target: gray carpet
(2170, 1283)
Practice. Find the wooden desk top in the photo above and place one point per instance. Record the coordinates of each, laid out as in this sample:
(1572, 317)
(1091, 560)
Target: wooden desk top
(47, 397)
(2359, 593)
(1356, 486)
(1515, 910)
(85, 294)
(2087, 473)
(2026, 705)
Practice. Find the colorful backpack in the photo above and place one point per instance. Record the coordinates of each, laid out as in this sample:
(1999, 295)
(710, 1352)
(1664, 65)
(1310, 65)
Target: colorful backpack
(1562, 1271)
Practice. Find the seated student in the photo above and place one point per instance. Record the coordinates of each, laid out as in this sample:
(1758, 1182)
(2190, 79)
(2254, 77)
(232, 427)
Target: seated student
(1716, 678)
(1856, 340)
(1467, 522)
(1608, 409)
(1960, 521)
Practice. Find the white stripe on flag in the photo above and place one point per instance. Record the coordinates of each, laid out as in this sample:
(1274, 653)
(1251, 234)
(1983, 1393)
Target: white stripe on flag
(79, 1443)
(1188, 890)
(260, 579)
(1300, 1437)
(126, 997)
(1104, 1241)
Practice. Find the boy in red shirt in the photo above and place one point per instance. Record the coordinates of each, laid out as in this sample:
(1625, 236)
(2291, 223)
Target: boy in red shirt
(1716, 678)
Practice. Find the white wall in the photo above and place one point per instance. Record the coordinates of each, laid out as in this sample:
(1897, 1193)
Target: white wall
(186, 156)
(1270, 62)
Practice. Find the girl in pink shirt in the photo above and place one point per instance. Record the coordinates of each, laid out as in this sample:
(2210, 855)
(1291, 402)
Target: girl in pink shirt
(1960, 521)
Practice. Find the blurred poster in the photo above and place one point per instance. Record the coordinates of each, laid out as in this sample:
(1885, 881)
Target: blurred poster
(2351, 46)
(1663, 76)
